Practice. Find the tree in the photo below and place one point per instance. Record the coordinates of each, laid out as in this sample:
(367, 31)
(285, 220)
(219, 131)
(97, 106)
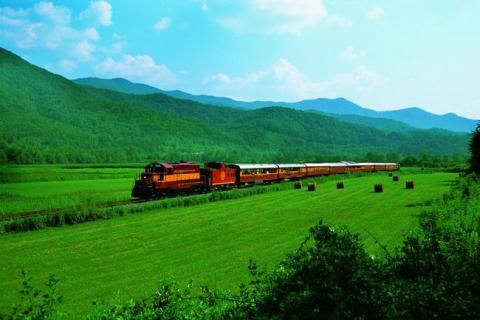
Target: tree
(475, 150)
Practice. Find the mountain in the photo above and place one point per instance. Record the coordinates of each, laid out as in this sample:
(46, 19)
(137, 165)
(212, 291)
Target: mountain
(125, 86)
(414, 117)
(118, 84)
(379, 123)
(419, 118)
(49, 119)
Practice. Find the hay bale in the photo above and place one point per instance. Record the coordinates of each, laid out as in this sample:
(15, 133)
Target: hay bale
(297, 185)
(409, 184)
(312, 186)
(396, 178)
(378, 187)
(340, 185)
(390, 174)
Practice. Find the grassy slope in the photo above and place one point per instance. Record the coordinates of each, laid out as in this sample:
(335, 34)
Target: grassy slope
(209, 243)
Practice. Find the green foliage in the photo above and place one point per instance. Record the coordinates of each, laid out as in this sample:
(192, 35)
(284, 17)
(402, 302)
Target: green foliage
(49, 119)
(330, 276)
(475, 150)
(173, 302)
(36, 303)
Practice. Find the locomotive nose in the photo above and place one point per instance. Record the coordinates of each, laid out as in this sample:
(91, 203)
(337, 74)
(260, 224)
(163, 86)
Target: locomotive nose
(142, 189)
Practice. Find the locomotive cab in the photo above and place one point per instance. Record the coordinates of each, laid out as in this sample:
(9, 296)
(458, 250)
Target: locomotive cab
(167, 179)
(145, 185)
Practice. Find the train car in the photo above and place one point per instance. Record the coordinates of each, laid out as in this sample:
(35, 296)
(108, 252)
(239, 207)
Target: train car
(165, 179)
(317, 169)
(368, 167)
(218, 176)
(291, 171)
(352, 167)
(392, 166)
(254, 173)
(338, 168)
(380, 166)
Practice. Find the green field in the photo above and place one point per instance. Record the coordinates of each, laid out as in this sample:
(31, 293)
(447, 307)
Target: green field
(33, 188)
(210, 244)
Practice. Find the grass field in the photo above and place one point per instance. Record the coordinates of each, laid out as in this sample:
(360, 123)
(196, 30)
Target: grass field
(33, 188)
(210, 243)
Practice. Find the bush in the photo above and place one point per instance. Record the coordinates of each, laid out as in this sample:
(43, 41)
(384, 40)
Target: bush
(475, 150)
(297, 185)
(37, 303)
(330, 276)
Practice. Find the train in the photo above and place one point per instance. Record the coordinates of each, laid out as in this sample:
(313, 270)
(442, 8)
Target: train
(161, 180)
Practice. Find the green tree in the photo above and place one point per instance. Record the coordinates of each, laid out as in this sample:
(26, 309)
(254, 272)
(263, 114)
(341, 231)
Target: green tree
(475, 150)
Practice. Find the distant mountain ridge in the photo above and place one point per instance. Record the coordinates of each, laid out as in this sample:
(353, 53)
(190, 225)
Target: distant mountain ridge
(410, 117)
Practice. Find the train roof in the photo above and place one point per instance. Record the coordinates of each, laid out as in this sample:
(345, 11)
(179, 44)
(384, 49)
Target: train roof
(332, 164)
(351, 163)
(291, 165)
(248, 166)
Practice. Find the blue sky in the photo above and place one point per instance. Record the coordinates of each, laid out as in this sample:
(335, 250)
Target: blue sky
(381, 54)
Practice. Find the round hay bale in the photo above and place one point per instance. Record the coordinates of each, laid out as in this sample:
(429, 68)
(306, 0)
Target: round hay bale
(390, 174)
(409, 184)
(340, 185)
(297, 185)
(378, 187)
(312, 186)
(396, 178)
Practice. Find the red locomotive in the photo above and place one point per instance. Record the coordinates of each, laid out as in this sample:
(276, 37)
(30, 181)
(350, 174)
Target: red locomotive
(170, 179)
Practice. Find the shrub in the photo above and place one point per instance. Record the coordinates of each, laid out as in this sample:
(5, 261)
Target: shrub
(297, 185)
(329, 277)
(37, 303)
(475, 150)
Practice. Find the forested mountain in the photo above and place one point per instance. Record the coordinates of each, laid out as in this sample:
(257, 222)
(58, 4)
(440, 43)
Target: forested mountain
(47, 118)
(125, 86)
(415, 117)
(118, 84)
(379, 123)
